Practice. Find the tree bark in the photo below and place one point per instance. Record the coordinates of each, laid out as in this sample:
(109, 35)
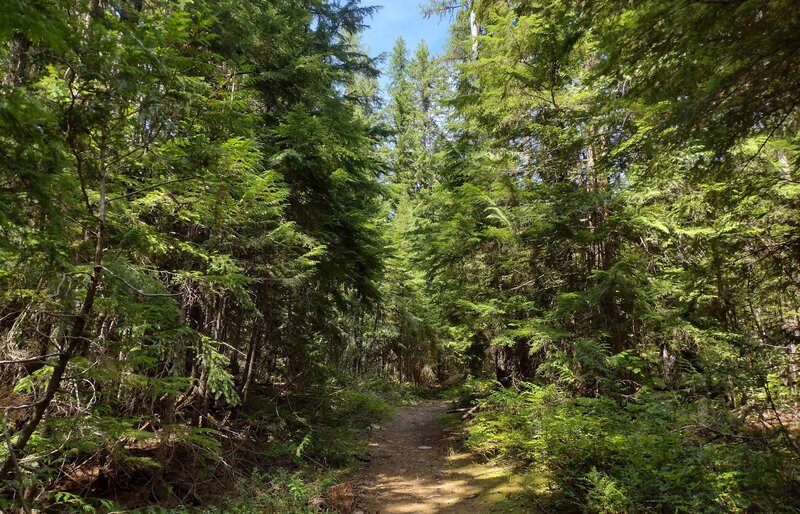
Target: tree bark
(72, 342)
(474, 30)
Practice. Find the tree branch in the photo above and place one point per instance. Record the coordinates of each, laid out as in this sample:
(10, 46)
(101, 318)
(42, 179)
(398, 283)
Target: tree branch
(149, 188)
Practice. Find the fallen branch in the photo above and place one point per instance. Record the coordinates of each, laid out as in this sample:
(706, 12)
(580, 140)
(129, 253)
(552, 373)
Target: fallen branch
(470, 413)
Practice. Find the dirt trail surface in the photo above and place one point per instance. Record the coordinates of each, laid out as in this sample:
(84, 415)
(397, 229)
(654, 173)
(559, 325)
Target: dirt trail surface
(417, 467)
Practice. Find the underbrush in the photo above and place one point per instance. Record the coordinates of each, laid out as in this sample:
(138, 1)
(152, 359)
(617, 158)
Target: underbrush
(313, 439)
(466, 392)
(653, 453)
(279, 492)
(275, 454)
(394, 392)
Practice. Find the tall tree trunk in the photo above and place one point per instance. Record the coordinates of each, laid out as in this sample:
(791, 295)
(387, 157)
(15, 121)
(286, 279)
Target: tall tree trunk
(474, 30)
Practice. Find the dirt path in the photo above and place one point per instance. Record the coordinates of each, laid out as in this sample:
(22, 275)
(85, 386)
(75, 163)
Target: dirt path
(417, 467)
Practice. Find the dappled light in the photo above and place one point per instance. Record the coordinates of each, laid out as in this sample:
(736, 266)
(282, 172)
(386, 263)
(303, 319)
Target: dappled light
(419, 466)
(547, 261)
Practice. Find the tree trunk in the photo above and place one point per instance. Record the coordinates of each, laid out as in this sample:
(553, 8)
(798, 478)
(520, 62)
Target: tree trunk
(71, 343)
(250, 362)
(474, 30)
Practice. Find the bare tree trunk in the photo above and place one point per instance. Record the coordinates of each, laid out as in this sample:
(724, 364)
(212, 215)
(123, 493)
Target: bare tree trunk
(17, 64)
(250, 362)
(786, 169)
(474, 30)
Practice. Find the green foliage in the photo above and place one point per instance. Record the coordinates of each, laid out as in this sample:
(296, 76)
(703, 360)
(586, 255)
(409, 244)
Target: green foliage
(465, 392)
(651, 454)
(210, 223)
(190, 210)
(604, 495)
(278, 492)
(219, 380)
(360, 408)
(605, 219)
(75, 503)
(333, 435)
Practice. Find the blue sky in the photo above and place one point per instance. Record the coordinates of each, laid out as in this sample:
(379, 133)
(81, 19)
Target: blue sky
(403, 18)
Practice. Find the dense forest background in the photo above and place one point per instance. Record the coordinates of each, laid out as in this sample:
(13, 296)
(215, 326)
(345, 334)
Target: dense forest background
(221, 245)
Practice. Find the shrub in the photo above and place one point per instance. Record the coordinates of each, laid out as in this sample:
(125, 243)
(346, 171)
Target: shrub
(651, 454)
(360, 408)
(279, 492)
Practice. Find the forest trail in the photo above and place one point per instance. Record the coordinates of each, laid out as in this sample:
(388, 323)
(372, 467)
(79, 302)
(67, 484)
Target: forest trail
(418, 466)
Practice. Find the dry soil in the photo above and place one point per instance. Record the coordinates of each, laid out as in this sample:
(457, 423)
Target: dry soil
(417, 466)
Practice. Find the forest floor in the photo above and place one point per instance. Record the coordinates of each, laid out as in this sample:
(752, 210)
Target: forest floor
(418, 465)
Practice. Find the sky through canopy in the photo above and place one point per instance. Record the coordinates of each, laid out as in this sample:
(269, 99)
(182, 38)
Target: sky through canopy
(403, 18)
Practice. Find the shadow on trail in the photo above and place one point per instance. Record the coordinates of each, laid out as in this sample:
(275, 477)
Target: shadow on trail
(417, 467)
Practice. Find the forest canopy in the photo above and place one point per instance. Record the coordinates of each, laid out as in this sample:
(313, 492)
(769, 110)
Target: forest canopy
(221, 241)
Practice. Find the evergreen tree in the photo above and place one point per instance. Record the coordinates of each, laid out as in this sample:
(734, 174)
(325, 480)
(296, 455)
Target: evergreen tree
(212, 225)
(190, 213)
